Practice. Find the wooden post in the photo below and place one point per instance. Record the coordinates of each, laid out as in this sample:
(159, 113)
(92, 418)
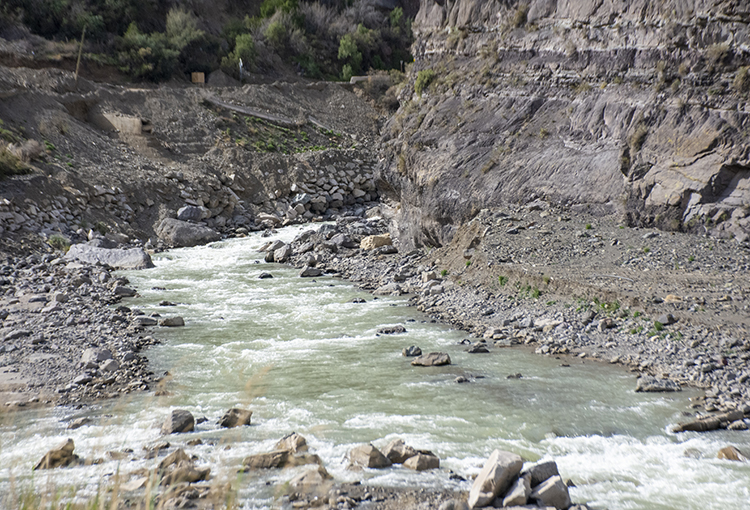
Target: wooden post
(80, 52)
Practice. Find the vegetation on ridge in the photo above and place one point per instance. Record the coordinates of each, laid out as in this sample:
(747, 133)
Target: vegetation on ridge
(155, 41)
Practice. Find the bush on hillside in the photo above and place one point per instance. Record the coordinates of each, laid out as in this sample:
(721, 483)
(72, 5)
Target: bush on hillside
(244, 48)
(147, 56)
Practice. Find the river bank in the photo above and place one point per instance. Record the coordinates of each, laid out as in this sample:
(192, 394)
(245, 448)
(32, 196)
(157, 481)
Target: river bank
(673, 326)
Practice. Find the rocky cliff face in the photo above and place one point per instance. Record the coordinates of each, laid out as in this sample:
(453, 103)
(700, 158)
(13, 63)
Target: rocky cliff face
(631, 107)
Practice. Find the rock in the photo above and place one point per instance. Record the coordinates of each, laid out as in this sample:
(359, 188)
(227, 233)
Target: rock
(15, 334)
(308, 272)
(737, 425)
(192, 213)
(84, 378)
(708, 423)
(368, 456)
(666, 319)
(133, 258)
(109, 366)
(235, 417)
(454, 504)
(392, 330)
(179, 421)
(172, 322)
(731, 453)
(398, 452)
(292, 442)
(519, 492)
(282, 254)
(270, 460)
(411, 351)
(647, 383)
(78, 423)
(186, 473)
(145, 321)
(540, 471)
(270, 218)
(182, 234)
(61, 456)
(176, 457)
(135, 484)
(315, 479)
(478, 348)
(95, 356)
(389, 289)
(588, 316)
(422, 461)
(372, 242)
(264, 276)
(344, 241)
(552, 492)
(605, 324)
(123, 291)
(495, 478)
(433, 359)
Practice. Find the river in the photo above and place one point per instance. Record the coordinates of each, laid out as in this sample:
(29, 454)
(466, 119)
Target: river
(305, 358)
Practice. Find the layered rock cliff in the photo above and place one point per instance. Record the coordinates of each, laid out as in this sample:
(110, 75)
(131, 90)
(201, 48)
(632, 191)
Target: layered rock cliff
(629, 107)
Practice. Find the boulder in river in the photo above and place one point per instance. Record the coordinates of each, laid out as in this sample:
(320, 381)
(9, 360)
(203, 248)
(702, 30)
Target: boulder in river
(496, 477)
(292, 442)
(433, 359)
(517, 495)
(235, 417)
(308, 272)
(731, 453)
(707, 423)
(317, 479)
(540, 471)
(411, 351)
(172, 322)
(649, 383)
(61, 456)
(368, 456)
(552, 492)
(179, 420)
(422, 461)
(270, 460)
(182, 234)
(392, 330)
(398, 452)
(133, 258)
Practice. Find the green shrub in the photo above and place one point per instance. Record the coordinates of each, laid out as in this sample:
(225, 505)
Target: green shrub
(424, 78)
(59, 242)
(275, 33)
(503, 280)
(349, 51)
(182, 29)
(269, 7)
(11, 165)
(147, 56)
(244, 48)
(521, 15)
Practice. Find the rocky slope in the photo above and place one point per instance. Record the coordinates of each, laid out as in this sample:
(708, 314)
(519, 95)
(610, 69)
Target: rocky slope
(632, 108)
(123, 159)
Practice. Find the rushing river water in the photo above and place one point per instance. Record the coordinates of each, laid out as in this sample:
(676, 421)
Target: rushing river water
(304, 358)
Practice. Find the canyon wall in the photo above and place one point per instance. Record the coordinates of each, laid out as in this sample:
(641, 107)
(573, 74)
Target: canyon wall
(630, 108)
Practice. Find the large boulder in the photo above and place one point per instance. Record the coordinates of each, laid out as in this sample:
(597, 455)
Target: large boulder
(433, 359)
(179, 421)
(235, 417)
(270, 460)
(552, 492)
(495, 478)
(398, 452)
(518, 494)
(133, 258)
(540, 471)
(61, 456)
(422, 461)
(372, 242)
(317, 480)
(192, 213)
(181, 233)
(368, 456)
(292, 442)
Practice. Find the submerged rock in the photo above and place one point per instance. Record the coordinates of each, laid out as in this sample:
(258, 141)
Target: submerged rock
(648, 383)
